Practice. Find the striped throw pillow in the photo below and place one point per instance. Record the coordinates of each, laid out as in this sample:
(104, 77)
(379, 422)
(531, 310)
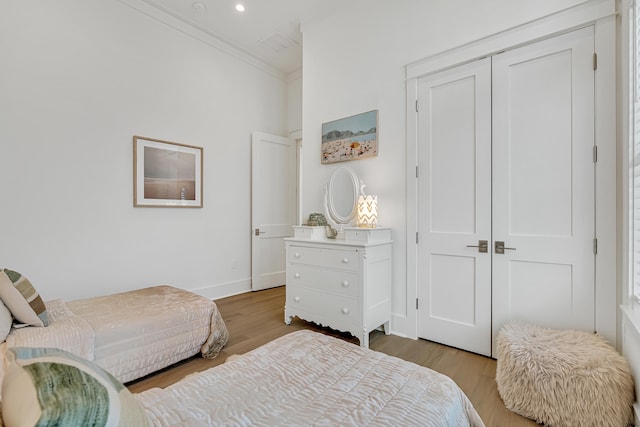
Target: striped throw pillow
(24, 302)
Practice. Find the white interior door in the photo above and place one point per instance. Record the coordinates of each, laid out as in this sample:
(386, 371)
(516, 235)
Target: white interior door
(454, 209)
(505, 150)
(543, 183)
(273, 206)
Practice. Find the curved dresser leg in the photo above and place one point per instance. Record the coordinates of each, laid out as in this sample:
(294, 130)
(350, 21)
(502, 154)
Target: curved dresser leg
(364, 339)
(287, 318)
(386, 328)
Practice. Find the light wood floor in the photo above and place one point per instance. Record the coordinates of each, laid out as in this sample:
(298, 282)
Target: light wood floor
(256, 318)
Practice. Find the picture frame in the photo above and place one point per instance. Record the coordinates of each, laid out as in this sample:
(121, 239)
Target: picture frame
(166, 174)
(350, 138)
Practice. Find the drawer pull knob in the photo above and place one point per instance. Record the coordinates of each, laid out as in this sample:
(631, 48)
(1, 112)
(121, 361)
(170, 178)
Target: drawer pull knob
(296, 299)
(345, 284)
(297, 275)
(345, 311)
(345, 260)
(297, 255)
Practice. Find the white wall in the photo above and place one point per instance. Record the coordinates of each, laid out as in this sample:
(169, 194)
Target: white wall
(354, 62)
(78, 79)
(294, 103)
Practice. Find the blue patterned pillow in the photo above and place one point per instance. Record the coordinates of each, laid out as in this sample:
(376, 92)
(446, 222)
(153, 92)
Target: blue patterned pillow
(51, 387)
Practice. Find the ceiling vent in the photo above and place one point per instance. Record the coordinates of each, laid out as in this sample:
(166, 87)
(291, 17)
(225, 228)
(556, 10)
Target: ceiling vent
(277, 42)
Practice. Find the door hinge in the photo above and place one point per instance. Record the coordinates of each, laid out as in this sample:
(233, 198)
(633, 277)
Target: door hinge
(416, 303)
(595, 61)
(416, 171)
(416, 105)
(416, 237)
(595, 153)
(595, 246)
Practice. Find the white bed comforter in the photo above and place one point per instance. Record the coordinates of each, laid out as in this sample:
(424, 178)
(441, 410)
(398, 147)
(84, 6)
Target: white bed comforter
(129, 334)
(306, 378)
(65, 331)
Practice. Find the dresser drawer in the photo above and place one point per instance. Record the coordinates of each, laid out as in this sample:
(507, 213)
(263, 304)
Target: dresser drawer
(330, 310)
(335, 281)
(333, 258)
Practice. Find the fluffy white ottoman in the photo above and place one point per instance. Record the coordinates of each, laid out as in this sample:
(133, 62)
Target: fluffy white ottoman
(563, 377)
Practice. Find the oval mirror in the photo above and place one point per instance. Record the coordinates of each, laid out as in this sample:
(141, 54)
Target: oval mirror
(341, 196)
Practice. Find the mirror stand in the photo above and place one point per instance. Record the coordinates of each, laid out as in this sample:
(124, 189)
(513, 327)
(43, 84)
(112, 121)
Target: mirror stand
(341, 199)
(337, 230)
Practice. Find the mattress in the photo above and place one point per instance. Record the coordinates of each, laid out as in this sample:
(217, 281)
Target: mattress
(306, 378)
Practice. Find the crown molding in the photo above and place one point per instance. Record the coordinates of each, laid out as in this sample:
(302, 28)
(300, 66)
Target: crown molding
(177, 23)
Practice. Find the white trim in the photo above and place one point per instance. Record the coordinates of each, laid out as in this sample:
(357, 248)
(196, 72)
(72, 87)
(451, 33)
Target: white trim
(565, 20)
(607, 320)
(631, 315)
(408, 321)
(626, 184)
(602, 14)
(295, 134)
(225, 289)
(176, 22)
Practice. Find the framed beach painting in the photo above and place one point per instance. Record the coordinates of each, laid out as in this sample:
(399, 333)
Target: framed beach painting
(166, 174)
(350, 138)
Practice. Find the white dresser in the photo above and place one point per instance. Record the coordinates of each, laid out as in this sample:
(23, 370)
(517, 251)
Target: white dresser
(342, 284)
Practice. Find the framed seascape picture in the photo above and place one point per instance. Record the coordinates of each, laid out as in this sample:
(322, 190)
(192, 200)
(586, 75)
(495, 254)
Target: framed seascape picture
(166, 174)
(350, 138)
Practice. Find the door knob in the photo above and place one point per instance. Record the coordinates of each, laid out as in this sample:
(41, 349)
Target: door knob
(483, 246)
(500, 248)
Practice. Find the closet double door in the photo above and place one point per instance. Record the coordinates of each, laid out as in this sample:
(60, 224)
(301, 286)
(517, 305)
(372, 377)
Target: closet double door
(506, 197)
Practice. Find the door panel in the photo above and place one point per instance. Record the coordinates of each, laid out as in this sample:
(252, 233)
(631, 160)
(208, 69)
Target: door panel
(273, 207)
(543, 183)
(454, 209)
(536, 122)
(453, 153)
(536, 284)
(505, 150)
(453, 275)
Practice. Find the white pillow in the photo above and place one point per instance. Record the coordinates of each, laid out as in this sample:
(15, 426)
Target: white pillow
(6, 319)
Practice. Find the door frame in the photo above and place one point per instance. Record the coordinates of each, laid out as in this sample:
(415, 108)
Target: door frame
(602, 15)
(294, 144)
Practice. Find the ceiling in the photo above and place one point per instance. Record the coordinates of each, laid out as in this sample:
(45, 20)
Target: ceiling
(268, 30)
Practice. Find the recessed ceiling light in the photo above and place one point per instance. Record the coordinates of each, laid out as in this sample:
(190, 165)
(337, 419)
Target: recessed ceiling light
(240, 7)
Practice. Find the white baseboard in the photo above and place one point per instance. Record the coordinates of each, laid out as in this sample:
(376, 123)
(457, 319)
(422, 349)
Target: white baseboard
(226, 289)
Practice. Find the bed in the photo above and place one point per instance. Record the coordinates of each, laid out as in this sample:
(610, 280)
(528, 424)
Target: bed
(129, 334)
(306, 378)
(303, 378)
